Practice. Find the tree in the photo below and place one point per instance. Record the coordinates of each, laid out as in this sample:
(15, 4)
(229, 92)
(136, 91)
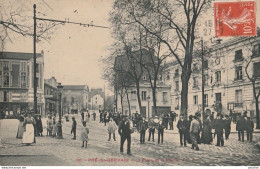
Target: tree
(166, 20)
(16, 19)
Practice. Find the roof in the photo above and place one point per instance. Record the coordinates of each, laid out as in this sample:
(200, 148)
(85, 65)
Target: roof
(18, 55)
(74, 87)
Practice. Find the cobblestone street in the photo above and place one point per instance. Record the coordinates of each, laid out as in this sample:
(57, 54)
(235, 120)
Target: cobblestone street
(52, 151)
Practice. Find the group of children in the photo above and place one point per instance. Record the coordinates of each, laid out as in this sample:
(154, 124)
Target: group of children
(52, 128)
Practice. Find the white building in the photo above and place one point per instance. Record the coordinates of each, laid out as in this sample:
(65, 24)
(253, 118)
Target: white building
(226, 84)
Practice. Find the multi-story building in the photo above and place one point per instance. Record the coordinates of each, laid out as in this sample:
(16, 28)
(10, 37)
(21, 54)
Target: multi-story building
(51, 96)
(74, 98)
(226, 69)
(17, 82)
(96, 99)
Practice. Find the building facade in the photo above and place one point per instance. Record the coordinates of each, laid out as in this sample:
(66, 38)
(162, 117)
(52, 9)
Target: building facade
(74, 98)
(96, 99)
(51, 96)
(226, 69)
(17, 82)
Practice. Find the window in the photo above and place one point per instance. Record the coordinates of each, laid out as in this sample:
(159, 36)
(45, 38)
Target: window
(23, 79)
(257, 69)
(239, 96)
(239, 55)
(195, 68)
(206, 79)
(144, 77)
(143, 95)
(168, 76)
(238, 73)
(165, 97)
(6, 96)
(176, 74)
(72, 100)
(256, 50)
(195, 82)
(176, 103)
(133, 95)
(6, 66)
(205, 64)
(195, 100)
(205, 100)
(218, 76)
(177, 85)
(6, 79)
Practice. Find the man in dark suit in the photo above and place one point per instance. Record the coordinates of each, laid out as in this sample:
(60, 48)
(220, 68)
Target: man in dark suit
(160, 129)
(241, 126)
(125, 132)
(143, 125)
(227, 126)
(182, 125)
(219, 127)
(249, 129)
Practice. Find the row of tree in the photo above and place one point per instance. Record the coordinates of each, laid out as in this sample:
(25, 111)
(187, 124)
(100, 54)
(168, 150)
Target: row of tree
(164, 29)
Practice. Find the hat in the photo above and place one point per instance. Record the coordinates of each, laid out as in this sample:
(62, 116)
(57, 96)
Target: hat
(73, 117)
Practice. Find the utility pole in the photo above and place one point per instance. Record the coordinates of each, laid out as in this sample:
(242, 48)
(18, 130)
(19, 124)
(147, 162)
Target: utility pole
(34, 61)
(34, 46)
(104, 96)
(202, 74)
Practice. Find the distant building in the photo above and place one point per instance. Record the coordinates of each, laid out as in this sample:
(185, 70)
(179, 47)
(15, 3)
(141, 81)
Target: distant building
(74, 98)
(16, 83)
(96, 99)
(51, 96)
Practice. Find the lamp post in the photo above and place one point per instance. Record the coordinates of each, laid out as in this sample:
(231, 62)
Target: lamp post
(59, 133)
(148, 98)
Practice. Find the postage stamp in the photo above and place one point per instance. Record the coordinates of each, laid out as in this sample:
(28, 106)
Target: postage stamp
(235, 18)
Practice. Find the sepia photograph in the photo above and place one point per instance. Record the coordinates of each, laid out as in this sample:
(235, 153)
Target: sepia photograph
(129, 83)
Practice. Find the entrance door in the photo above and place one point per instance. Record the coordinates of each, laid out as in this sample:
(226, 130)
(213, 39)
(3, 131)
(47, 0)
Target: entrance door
(218, 104)
(218, 97)
(143, 111)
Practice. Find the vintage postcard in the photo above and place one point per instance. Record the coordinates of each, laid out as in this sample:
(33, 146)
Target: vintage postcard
(129, 83)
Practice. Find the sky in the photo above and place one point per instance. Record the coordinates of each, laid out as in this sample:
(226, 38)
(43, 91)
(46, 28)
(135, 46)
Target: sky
(73, 53)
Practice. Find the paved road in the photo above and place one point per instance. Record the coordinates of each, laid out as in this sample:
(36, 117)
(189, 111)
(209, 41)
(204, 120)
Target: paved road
(103, 152)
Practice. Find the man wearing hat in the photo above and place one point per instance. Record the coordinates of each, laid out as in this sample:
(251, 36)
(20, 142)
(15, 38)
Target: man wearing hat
(143, 125)
(182, 126)
(73, 128)
(125, 132)
(219, 127)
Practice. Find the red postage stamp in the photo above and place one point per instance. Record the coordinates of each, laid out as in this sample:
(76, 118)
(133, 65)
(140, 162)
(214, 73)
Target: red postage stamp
(235, 18)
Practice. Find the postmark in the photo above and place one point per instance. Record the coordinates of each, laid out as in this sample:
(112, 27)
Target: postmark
(235, 18)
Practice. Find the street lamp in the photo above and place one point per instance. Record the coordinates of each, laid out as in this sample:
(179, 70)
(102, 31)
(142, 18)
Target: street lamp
(59, 133)
(148, 98)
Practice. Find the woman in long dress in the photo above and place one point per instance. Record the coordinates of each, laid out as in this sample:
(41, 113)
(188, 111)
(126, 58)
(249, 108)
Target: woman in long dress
(28, 135)
(20, 128)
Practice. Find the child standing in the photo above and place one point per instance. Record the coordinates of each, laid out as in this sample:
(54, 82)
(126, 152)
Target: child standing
(49, 126)
(73, 128)
(54, 127)
(84, 134)
(111, 129)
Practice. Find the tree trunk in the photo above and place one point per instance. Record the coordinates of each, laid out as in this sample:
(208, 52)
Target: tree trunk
(129, 106)
(257, 113)
(138, 96)
(256, 105)
(116, 96)
(121, 99)
(154, 99)
(184, 95)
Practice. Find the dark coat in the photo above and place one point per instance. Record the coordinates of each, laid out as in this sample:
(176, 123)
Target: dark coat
(249, 126)
(124, 128)
(227, 124)
(160, 127)
(182, 126)
(241, 125)
(143, 125)
(219, 126)
(39, 125)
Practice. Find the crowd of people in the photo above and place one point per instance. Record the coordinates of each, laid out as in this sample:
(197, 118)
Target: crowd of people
(191, 131)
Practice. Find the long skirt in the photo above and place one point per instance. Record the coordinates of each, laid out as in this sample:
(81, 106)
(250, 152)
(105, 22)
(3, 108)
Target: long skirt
(20, 130)
(28, 135)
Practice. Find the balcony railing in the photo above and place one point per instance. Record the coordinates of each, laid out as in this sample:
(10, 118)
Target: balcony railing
(238, 104)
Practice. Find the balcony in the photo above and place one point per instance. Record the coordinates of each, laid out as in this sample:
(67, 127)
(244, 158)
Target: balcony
(238, 104)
